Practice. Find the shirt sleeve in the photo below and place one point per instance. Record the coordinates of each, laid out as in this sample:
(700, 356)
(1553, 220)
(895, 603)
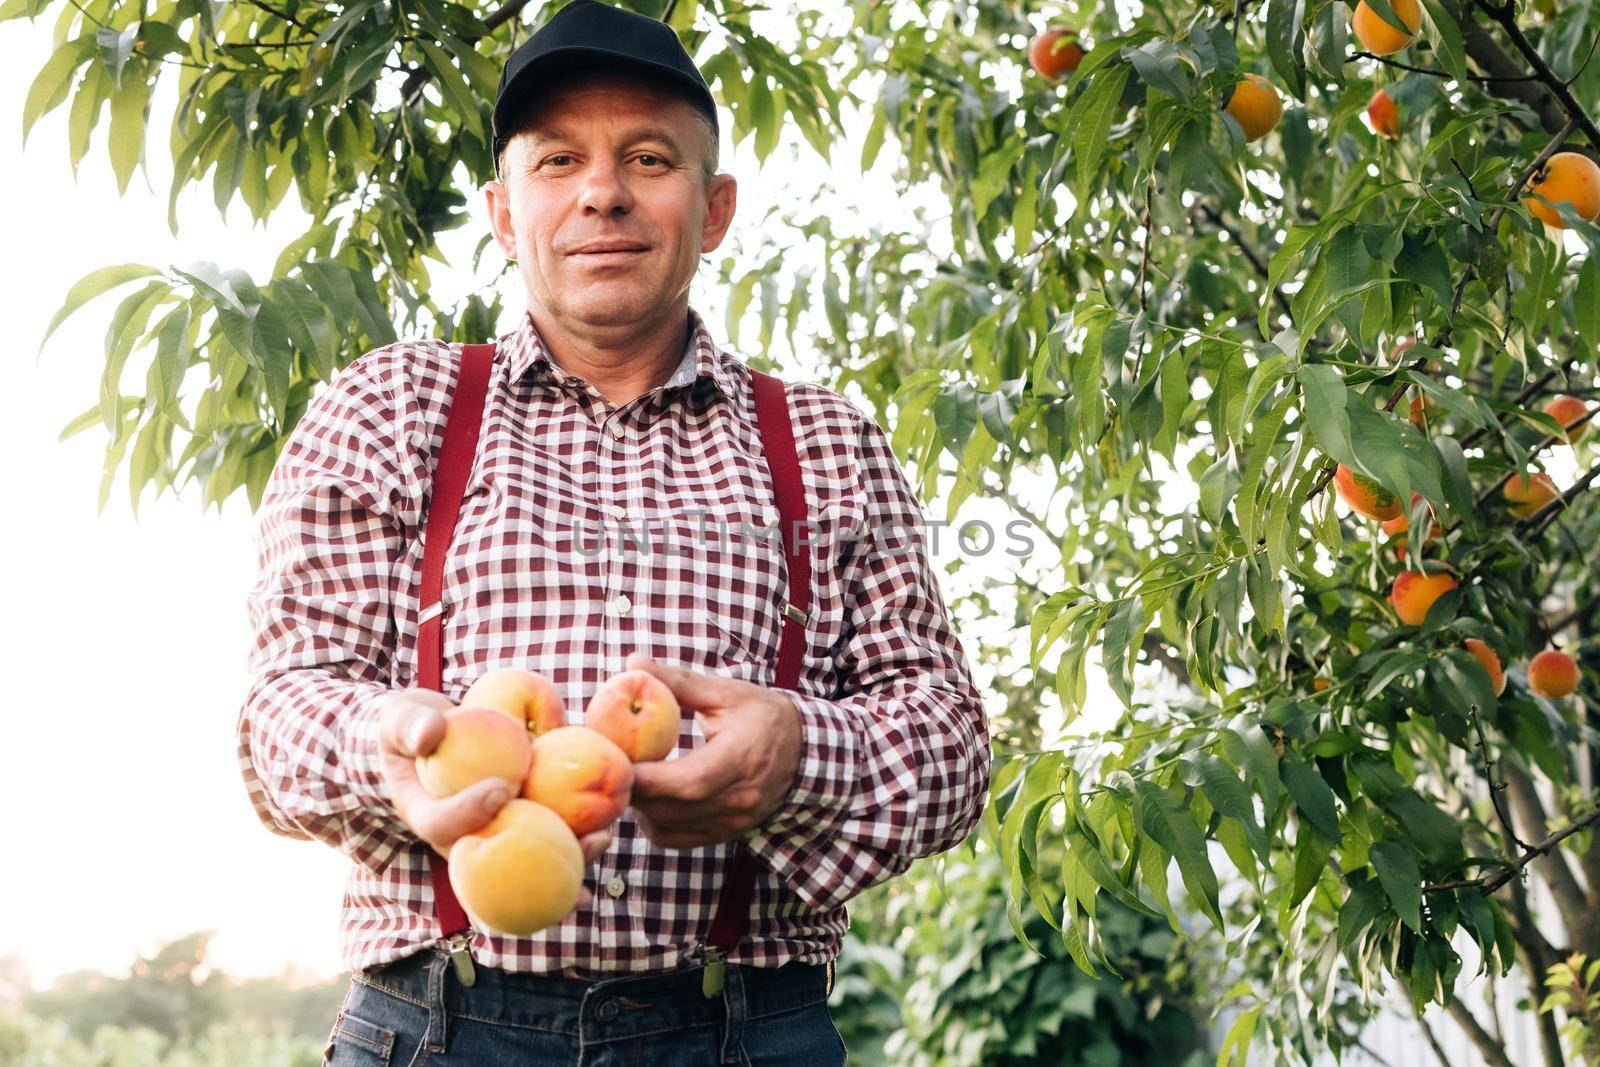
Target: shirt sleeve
(896, 768)
(328, 535)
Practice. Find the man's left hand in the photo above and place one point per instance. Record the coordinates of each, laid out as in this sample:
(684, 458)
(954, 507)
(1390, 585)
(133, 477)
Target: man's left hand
(733, 781)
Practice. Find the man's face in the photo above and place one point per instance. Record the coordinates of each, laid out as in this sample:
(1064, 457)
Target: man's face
(606, 162)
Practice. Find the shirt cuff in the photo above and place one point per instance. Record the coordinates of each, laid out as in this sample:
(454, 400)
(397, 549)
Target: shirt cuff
(827, 773)
(360, 760)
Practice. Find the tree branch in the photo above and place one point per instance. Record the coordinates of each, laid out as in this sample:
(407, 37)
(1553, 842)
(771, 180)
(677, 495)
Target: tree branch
(1492, 1051)
(1506, 16)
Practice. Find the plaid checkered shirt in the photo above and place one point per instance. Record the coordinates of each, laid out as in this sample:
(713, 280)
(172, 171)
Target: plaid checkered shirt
(588, 531)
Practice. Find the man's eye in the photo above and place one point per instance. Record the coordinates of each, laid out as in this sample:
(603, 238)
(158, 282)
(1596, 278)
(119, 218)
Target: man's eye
(649, 159)
(553, 159)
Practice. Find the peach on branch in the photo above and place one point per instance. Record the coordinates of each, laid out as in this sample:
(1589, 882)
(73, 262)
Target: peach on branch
(1491, 663)
(1566, 178)
(1567, 410)
(1364, 495)
(1255, 105)
(1377, 35)
(1526, 496)
(581, 775)
(636, 710)
(1552, 674)
(520, 873)
(1384, 115)
(1414, 592)
(478, 743)
(527, 696)
(1055, 52)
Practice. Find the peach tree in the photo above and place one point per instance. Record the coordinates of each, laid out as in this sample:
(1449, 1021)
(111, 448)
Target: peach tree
(1205, 302)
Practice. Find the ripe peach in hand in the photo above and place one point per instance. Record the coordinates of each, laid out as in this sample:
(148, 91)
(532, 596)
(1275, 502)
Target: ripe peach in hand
(527, 696)
(1055, 52)
(1566, 410)
(1566, 178)
(1527, 496)
(1491, 663)
(478, 743)
(1378, 36)
(1365, 496)
(581, 775)
(520, 873)
(1552, 674)
(1384, 115)
(637, 711)
(1414, 592)
(1255, 104)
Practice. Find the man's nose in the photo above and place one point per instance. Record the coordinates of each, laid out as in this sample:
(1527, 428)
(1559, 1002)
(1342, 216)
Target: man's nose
(605, 188)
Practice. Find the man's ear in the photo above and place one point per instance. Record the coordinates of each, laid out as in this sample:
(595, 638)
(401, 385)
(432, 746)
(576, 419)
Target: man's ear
(498, 200)
(722, 196)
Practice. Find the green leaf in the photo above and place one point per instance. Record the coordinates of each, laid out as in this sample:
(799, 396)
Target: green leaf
(1235, 1049)
(1174, 829)
(51, 85)
(1285, 34)
(172, 357)
(1586, 301)
(1312, 797)
(1325, 411)
(1228, 795)
(462, 99)
(1161, 67)
(1090, 121)
(1396, 868)
(93, 284)
(130, 107)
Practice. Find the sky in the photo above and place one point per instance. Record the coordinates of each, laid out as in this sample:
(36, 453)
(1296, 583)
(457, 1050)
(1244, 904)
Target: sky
(126, 639)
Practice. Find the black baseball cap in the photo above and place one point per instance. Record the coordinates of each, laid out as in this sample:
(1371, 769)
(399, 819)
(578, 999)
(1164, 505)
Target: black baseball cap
(591, 36)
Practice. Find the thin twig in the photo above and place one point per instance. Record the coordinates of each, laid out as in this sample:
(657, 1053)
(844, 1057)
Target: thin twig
(1435, 71)
(1489, 883)
(1495, 788)
(1542, 518)
(1506, 16)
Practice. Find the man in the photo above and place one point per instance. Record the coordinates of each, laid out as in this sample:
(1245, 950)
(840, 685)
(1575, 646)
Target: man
(613, 427)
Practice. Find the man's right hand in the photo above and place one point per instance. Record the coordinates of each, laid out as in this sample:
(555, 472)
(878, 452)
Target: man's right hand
(411, 724)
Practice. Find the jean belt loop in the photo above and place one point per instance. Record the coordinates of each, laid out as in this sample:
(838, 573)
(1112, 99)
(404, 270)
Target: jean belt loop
(435, 1038)
(735, 1007)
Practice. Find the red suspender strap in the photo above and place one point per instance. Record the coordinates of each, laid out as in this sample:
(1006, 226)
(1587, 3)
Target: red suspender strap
(460, 445)
(783, 467)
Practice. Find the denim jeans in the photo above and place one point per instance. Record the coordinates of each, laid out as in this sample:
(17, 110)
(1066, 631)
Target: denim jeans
(414, 1011)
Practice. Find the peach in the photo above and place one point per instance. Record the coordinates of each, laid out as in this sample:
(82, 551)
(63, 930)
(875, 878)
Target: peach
(1365, 496)
(1566, 178)
(1255, 104)
(520, 873)
(1320, 684)
(637, 711)
(1050, 59)
(527, 696)
(1423, 410)
(1396, 528)
(1384, 115)
(1527, 497)
(581, 775)
(1378, 36)
(1552, 674)
(1414, 592)
(478, 743)
(1491, 663)
(1566, 410)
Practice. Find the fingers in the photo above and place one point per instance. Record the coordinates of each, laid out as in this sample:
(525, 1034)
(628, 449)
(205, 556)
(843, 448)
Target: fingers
(440, 821)
(693, 778)
(693, 690)
(594, 845)
(412, 721)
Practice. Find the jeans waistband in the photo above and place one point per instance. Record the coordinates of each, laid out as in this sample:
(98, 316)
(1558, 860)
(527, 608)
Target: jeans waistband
(562, 1005)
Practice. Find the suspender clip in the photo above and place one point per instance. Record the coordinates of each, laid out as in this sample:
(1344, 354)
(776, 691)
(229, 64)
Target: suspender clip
(461, 957)
(716, 970)
(795, 615)
(431, 612)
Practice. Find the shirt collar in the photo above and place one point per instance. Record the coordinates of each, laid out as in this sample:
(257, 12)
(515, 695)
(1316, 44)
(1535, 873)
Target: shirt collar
(702, 358)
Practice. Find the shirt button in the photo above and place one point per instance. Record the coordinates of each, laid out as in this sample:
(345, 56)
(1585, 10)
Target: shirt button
(621, 605)
(618, 430)
(615, 886)
(618, 511)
